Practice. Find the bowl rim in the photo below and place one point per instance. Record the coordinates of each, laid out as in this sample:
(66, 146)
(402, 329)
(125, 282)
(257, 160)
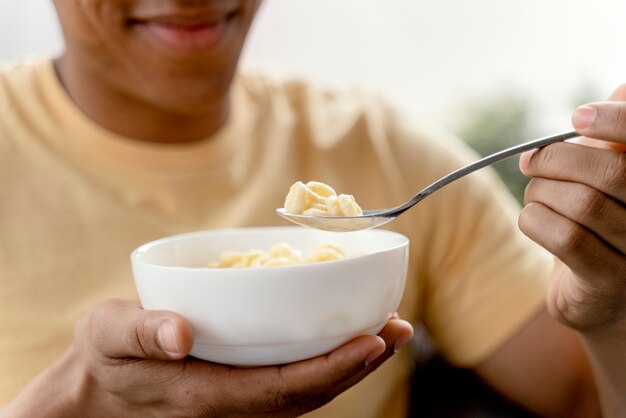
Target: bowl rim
(134, 256)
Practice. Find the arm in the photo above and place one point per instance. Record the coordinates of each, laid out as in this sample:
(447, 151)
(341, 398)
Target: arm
(544, 369)
(576, 209)
(124, 363)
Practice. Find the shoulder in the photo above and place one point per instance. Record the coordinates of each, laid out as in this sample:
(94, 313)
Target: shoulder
(18, 99)
(17, 81)
(15, 74)
(330, 115)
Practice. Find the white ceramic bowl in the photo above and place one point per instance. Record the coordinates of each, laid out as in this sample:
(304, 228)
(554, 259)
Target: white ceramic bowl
(273, 315)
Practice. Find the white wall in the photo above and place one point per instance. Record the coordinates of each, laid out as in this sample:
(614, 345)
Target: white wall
(28, 28)
(428, 55)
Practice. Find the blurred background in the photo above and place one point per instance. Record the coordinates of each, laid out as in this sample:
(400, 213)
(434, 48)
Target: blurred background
(496, 72)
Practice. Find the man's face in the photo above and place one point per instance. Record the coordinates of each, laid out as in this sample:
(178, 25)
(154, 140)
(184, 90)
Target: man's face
(177, 55)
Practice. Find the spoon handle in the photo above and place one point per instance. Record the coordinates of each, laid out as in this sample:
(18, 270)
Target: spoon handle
(484, 162)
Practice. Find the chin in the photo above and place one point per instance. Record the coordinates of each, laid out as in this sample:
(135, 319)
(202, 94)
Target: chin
(192, 103)
(188, 94)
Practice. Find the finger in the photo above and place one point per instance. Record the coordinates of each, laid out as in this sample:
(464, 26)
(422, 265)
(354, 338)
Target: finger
(583, 121)
(308, 384)
(583, 205)
(585, 254)
(602, 120)
(121, 329)
(598, 168)
(396, 334)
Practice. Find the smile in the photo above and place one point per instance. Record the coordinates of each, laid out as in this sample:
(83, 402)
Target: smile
(186, 33)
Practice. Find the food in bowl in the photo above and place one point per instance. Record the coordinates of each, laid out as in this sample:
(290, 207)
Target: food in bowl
(262, 316)
(281, 254)
(319, 199)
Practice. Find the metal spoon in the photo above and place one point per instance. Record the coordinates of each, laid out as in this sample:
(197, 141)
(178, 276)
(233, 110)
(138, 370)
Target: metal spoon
(378, 217)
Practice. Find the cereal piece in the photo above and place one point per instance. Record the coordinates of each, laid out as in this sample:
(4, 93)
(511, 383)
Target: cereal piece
(230, 258)
(332, 206)
(328, 252)
(319, 199)
(277, 262)
(296, 200)
(348, 205)
(260, 261)
(286, 251)
(319, 206)
(321, 189)
(334, 247)
(281, 254)
(250, 257)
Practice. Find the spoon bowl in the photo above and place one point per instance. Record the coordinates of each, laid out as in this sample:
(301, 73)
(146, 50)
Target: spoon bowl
(375, 218)
(370, 219)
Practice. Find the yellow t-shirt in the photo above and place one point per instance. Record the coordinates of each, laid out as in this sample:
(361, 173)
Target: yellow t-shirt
(76, 199)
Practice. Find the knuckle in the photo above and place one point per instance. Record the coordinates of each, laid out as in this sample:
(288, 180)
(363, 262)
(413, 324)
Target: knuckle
(545, 159)
(137, 338)
(93, 322)
(101, 309)
(570, 239)
(592, 205)
(90, 332)
(548, 154)
(613, 174)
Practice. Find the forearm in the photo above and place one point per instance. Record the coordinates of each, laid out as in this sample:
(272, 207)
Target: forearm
(544, 369)
(607, 354)
(56, 392)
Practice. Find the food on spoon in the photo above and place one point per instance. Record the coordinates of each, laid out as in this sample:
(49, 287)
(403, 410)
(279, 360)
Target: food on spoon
(319, 199)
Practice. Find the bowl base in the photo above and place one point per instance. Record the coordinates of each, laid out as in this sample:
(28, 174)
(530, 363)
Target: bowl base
(272, 354)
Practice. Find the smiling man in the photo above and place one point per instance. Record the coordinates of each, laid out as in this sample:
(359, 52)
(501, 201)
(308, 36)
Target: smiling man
(142, 129)
(158, 71)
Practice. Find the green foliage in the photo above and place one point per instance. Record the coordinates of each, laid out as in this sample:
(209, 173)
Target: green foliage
(501, 121)
(497, 124)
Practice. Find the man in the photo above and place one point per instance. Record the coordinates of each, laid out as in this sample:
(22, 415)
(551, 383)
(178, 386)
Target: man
(139, 131)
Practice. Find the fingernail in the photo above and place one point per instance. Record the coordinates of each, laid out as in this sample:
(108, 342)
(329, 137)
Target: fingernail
(374, 355)
(584, 116)
(166, 336)
(402, 341)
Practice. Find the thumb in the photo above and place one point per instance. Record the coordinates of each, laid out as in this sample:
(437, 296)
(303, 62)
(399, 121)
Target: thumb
(604, 121)
(121, 329)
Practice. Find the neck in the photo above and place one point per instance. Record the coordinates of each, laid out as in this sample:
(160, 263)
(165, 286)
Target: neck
(132, 117)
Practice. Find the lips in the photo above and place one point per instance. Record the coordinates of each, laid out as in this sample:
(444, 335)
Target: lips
(185, 32)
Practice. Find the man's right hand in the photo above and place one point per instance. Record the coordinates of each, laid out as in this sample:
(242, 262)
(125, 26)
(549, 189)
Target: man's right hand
(129, 362)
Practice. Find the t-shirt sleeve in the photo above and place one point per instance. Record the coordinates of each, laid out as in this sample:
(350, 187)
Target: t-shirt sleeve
(482, 279)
